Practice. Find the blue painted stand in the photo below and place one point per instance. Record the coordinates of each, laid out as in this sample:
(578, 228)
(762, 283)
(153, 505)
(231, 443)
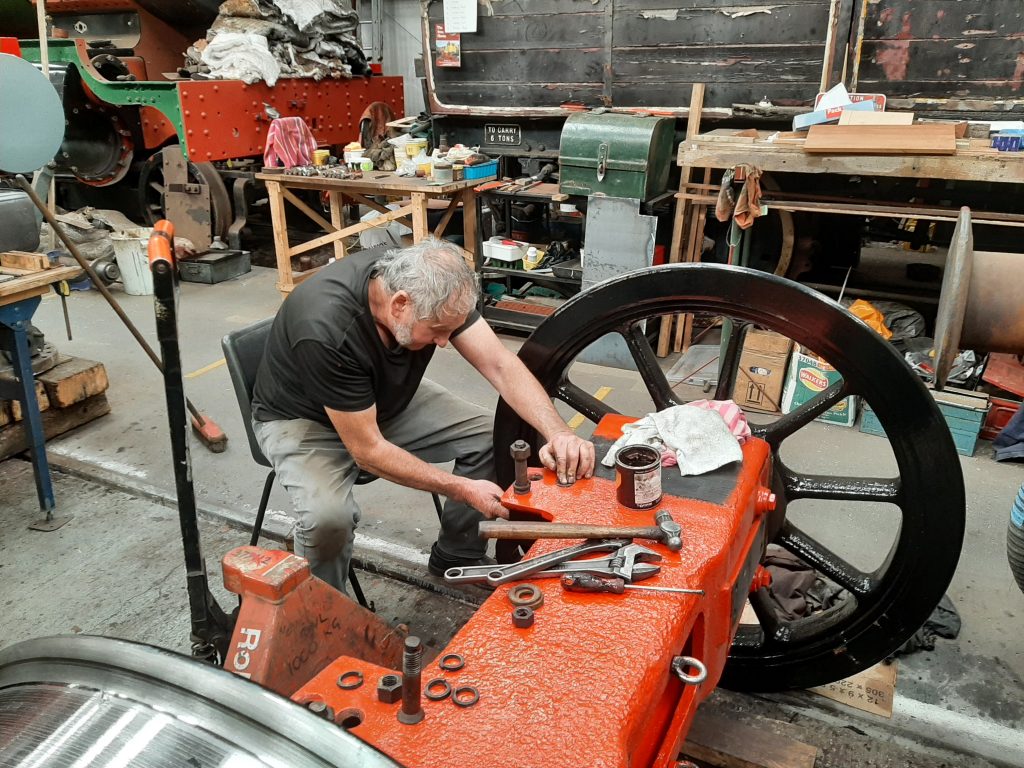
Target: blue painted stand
(18, 317)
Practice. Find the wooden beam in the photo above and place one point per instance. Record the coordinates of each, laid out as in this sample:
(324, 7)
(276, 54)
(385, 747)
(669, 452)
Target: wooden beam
(24, 260)
(453, 205)
(56, 421)
(726, 743)
(294, 200)
(682, 206)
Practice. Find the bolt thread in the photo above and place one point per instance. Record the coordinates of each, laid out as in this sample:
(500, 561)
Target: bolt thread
(412, 664)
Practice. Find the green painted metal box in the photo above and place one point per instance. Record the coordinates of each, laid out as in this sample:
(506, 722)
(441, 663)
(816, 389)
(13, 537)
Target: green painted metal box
(615, 154)
(963, 411)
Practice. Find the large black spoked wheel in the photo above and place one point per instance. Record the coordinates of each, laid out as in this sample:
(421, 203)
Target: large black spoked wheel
(878, 609)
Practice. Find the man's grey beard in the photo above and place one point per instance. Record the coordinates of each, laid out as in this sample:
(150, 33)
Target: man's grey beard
(403, 334)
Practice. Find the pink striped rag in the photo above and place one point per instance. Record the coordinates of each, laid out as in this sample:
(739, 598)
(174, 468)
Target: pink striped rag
(731, 413)
(290, 141)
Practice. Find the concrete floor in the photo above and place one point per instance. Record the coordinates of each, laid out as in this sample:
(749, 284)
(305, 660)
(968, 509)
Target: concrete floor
(129, 449)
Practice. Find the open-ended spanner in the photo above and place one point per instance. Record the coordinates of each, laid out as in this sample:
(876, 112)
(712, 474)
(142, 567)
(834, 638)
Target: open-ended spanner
(500, 574)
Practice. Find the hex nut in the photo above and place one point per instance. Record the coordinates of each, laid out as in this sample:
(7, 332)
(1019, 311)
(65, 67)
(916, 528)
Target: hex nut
(389, 689)
(522, 617)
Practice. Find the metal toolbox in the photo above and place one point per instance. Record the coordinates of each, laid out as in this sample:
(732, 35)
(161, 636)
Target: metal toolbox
(615, 154)
(214, 266)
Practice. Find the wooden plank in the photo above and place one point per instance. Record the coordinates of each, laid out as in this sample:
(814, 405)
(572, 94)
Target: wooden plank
(279, 222)
(386, 184)
(453, 206)
(301, 205)
(682, 207)
(44, 403)
(730, 63)
(57, 421)
(36, 280)
(790, 158)
(337, 221)
(727, 743)
(24, 260)
(419, 217)
(543, 65)
(470, 232)
(853, 117)
(5, 413)
(871, 690)
(925, 139)
(74, 380)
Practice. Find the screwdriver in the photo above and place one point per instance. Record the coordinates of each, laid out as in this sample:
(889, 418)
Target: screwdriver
(64, 290)
(588, 582)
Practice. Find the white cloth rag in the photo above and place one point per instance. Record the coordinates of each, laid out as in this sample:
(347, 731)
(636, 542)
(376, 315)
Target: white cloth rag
(238, 56)
(700, 438)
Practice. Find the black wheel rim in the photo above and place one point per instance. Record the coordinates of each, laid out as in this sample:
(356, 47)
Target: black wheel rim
(883, 607)
(151, 193)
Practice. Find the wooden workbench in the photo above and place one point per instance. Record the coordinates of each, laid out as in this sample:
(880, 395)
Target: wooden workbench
(361, 191)
(974, 159)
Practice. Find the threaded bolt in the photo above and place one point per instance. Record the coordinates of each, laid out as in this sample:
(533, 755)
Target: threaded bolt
(412, 665)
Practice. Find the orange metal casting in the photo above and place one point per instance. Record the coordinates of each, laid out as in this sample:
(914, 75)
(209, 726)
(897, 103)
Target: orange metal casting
(291, 624)
(597, 666)
(226, 118)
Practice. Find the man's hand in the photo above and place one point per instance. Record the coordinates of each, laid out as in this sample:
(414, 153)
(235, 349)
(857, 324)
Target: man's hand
(569, 455)
(484, 496)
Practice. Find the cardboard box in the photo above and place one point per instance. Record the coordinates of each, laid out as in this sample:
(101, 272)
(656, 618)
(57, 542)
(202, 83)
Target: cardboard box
(808, 377)
(762, 371)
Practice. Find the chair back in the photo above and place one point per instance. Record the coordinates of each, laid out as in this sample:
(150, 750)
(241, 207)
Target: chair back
(243, 351)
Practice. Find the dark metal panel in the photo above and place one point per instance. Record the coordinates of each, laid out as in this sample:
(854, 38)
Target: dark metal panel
(946, 62)
(730, 7)
(530, 94)
(496, 8)
(720, 64)
(801, 23)
(959, 96)
(580, 65)
(558, 30)
(945, 19)
(663, 94)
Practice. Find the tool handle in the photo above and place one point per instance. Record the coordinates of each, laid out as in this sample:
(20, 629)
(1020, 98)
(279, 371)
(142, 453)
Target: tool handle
(587, 582)
(491, 529)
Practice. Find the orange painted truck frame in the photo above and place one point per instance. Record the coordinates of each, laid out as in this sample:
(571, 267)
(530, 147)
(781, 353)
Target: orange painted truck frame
(590, 682)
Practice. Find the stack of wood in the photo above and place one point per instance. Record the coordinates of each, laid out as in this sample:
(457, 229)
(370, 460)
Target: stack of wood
(70, 394)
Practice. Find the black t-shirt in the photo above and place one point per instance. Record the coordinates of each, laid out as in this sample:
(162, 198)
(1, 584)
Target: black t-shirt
(324, 351)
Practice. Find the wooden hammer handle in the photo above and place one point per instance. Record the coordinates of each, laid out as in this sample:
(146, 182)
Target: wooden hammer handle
(491, 529)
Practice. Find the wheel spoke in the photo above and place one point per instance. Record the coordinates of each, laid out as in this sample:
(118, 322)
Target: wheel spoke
(779, 430)
(582, 401)
(729, 365)
(157, 187)
(824, 561)
(648, 366)
(836, 488)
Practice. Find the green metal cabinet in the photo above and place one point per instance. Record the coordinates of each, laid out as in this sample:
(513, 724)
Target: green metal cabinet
(614, 154)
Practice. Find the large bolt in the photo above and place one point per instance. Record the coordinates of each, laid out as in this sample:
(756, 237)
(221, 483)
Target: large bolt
(520, 451)
(412, 664)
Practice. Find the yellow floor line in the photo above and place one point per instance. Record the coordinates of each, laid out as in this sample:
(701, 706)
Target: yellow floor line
(205, 369)
(579, 418)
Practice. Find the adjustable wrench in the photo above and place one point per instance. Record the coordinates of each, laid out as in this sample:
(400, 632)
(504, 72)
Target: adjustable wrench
(500, 574)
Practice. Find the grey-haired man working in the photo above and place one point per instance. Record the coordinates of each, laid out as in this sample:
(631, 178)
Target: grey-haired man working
(341, 387)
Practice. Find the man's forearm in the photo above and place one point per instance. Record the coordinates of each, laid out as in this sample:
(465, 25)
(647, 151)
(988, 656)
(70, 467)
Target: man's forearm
(521, 390)
(390, 462)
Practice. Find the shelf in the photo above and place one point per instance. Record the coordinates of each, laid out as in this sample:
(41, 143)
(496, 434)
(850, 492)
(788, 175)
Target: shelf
(486, 272)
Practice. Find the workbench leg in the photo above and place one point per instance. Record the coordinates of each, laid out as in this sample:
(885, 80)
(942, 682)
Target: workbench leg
(279, 220)
(338, 220)
(419, 217)
(470, 221)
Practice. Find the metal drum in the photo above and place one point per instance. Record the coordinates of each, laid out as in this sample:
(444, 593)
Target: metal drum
(85, 701)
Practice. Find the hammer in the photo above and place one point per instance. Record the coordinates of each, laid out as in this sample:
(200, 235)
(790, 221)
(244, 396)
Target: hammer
(667, 531)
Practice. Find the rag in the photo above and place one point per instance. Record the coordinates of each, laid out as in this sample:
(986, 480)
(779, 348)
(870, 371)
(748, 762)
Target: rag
(289, 141)
(748, 202)
(699, 438)
(239, 56)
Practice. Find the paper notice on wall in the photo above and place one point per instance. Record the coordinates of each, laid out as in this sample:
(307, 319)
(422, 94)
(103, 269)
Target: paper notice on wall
(448, 46)
(460, 16)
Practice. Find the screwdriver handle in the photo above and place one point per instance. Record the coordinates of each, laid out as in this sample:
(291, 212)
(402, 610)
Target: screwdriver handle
(588, 582)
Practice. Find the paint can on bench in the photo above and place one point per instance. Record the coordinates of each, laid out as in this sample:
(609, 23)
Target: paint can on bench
(638, 476)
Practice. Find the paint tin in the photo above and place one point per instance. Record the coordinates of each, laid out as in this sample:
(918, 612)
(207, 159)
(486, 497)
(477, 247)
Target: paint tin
(638, 476)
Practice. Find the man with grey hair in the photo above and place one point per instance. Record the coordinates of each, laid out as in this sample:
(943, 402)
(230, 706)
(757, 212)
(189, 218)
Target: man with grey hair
(341, 388)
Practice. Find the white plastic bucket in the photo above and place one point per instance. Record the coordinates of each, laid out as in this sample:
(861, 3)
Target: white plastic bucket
(130, 254)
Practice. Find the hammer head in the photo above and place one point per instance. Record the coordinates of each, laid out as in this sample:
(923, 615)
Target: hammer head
(672, 531)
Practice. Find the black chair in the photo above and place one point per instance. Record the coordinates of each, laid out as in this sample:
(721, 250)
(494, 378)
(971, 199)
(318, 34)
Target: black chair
(243, 351)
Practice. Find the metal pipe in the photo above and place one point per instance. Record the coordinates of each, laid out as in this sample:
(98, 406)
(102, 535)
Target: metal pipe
(100, 286)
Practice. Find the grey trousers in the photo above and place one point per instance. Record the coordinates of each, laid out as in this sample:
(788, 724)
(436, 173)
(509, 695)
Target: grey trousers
(319, 474)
